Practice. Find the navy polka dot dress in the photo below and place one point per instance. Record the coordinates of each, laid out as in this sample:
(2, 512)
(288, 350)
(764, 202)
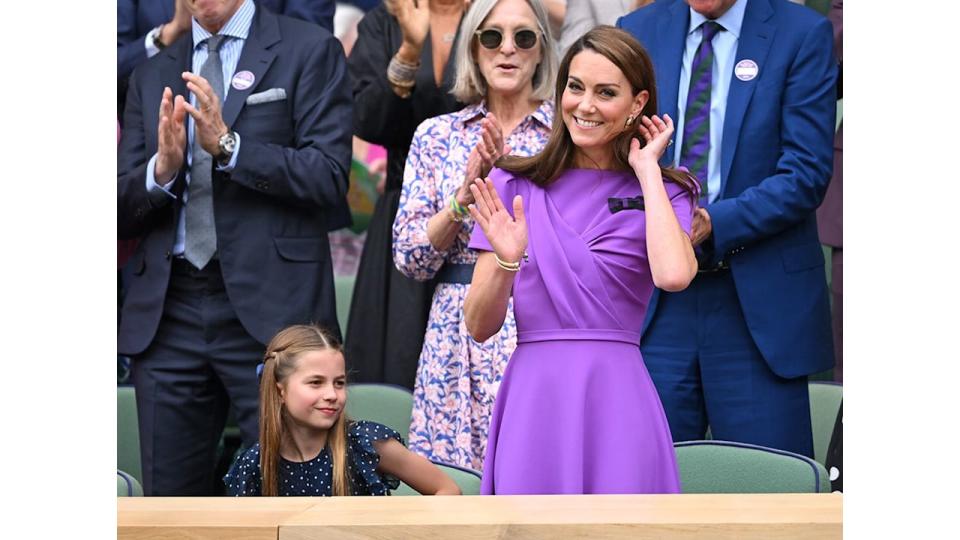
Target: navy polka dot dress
(314, 477)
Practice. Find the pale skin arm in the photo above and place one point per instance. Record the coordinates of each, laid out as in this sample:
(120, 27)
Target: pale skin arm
(441, 229)
(413, 469)
(485, 307)
(672, 261)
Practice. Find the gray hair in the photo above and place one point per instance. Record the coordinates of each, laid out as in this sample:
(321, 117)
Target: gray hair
(469, 86)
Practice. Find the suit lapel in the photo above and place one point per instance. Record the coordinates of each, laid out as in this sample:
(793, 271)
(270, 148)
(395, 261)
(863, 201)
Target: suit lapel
(255, 58)
(671, 37)
(756, 37)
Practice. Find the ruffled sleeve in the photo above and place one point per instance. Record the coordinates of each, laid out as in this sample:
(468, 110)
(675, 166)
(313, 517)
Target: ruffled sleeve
(364, 458)
(505, 190)
(243, 479)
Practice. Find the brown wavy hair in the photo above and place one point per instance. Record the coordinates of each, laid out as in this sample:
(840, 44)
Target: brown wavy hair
(280, 360)
(557, 156)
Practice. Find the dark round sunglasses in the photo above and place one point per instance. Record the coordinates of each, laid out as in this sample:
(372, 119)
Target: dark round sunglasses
(491, 38)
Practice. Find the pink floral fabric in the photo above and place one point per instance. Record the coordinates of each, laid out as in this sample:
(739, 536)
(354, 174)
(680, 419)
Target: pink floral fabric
(457, 378)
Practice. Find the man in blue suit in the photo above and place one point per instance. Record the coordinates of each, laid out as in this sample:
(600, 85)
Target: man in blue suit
(751, 86)
(232, 198)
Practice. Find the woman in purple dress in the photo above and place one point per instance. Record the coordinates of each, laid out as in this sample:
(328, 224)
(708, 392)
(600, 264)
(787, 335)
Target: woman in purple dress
(596, 223)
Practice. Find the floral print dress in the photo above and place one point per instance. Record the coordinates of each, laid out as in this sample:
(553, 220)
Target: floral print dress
(457, 378)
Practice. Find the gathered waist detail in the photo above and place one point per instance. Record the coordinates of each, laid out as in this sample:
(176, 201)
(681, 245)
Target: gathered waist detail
(579, 334)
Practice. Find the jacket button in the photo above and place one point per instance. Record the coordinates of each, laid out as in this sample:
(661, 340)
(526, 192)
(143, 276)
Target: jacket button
(167, 255)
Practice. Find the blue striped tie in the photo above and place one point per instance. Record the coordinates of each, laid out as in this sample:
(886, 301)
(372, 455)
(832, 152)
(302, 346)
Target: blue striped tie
(695, 151)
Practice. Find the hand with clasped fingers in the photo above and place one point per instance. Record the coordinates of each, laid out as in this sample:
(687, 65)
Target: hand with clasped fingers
(507, 235)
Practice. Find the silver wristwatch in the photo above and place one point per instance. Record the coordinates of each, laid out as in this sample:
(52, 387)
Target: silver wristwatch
(227, 145)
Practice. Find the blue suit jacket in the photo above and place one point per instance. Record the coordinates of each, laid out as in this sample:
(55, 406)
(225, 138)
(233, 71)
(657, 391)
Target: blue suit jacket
(135, 18)
(274, 209)
(776, 161)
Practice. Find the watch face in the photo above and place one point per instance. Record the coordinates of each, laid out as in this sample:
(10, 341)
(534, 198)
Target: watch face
(228, 142)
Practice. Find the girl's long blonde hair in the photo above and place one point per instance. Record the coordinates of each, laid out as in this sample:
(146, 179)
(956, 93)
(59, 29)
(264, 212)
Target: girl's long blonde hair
(280, 360)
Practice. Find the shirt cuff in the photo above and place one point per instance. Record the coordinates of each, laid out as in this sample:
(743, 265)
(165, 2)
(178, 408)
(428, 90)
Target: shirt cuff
(158, 195)
(148, 42)
(233, 159)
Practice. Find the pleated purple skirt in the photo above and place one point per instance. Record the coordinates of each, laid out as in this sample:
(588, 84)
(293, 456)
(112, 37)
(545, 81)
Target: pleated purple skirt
(578, 416)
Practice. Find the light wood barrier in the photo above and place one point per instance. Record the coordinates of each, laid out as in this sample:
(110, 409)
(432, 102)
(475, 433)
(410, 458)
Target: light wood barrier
(768, 517)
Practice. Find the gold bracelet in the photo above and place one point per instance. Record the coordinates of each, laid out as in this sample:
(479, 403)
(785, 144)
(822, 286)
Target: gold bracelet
(509, 267)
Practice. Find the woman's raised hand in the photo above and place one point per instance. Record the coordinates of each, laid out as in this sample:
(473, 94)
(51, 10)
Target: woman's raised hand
(656, 132)
(414, 19)
(492, 146)
(507, 235)
(483, 156)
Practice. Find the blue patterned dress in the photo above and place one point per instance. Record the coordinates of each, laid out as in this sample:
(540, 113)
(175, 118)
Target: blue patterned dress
(314, 478)
(457, 378)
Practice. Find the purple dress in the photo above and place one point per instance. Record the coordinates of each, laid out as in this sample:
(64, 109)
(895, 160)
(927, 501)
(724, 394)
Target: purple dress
(577, 411)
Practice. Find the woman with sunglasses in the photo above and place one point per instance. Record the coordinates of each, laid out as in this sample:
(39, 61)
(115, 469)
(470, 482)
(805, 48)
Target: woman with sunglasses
(402, 71)
(506, 64)
(579, 235)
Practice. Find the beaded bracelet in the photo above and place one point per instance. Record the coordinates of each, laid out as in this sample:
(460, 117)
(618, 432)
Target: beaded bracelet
(459, 212)
(401, 75)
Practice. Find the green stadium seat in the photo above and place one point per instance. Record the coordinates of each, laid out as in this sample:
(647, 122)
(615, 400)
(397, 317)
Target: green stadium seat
(127, 485)
(729, 467)
(825, 398)
(344, 293)
(128, 433)
(385, 404)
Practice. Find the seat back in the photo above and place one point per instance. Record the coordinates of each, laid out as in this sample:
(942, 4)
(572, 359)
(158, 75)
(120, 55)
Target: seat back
(127, 485)
(468, 480)
(729, 467)
(385, 404)
(128, 432)
(343, 286)
(825, 398)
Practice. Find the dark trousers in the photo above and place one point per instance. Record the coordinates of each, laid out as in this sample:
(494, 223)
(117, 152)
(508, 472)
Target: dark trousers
(200, 363)
(709, 372)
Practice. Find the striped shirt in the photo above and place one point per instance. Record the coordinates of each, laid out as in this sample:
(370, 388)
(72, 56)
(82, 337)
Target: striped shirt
(236, 31)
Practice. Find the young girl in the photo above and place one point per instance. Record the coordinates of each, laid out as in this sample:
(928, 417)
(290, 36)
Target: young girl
(308, 446)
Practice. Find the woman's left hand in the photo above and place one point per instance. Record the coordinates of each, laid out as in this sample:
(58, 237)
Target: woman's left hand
(657, 132)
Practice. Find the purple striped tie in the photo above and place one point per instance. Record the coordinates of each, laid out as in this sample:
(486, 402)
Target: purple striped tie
(695, 151)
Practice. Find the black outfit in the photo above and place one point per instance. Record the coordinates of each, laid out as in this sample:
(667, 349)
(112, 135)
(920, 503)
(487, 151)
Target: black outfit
(388, 313)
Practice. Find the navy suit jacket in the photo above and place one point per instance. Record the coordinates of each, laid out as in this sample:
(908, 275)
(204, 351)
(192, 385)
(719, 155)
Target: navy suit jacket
(274, 209)
(776, 161)
(135, 18)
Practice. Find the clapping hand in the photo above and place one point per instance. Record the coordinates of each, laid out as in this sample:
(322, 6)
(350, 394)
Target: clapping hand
(656, 132)
(483, 156)
(413, 17)
(171, 137)
(507, 235)
(207, 115)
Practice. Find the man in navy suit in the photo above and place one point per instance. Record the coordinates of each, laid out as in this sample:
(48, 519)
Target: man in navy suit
(265, 171)
(733, 350)
(146, 26)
